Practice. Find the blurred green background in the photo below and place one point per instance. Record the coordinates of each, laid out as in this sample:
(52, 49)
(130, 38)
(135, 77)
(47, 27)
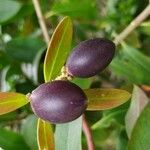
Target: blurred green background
(22, 51)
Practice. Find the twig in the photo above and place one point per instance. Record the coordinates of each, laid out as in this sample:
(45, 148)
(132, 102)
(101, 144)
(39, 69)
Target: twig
(146, 89)
(88, 134)
(135, 23)
(41, 20)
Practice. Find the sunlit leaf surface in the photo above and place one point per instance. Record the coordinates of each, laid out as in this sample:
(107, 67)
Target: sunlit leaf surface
(101, 99)
(58, 49)
(45, 135)
(10, 101)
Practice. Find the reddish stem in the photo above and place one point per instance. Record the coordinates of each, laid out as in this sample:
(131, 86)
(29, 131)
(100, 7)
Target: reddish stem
(146, 89)
(88, 134)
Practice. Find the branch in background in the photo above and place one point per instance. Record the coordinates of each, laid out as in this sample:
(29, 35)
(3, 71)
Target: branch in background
(41, 20)
(135, 23)
(88, 134)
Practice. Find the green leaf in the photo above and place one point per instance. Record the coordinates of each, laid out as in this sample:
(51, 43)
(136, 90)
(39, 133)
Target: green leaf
(135, 65)
(138, 102)
(26, 10)
(110, 116)
(101, 99)
(58, 49)
(12, 141)
(75, 9)
(8, 117)
(10, 101)
(82, 83)
(122, 141)
(8, 9)
(140, 134)
(28, 131)
(4, 60)
(139, 58)
(45, 135)
(134, 39)
(24, 49)
(100, 136)
(106, 120)
(68, 136)
(145, 27)
(31, 69)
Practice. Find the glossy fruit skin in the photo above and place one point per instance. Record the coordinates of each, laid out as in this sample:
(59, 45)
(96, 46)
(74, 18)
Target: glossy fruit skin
(90, 57)
(58, 101)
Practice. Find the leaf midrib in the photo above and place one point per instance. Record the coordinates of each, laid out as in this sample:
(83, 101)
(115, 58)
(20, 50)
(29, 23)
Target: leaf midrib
(109, 99)
(55, 57)
(46, 144)
(14, 101)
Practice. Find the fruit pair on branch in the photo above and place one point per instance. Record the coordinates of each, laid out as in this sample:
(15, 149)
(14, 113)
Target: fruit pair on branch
(61, 101)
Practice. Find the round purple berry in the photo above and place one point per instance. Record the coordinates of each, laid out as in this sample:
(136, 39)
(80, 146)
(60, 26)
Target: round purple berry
(90, 57)
(58, 101)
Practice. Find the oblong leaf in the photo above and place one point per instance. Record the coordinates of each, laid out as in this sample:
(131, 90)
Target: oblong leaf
(106, 119)
(10, 101)
(28, 131)
(12, 141)
(138, 102)
(101, 99)
(58, 49)
(8, 9)
(75, 9)
(68, 135)
(135, 65)
(45, 135)
(140, 134)
(24, 49)
(140, 59)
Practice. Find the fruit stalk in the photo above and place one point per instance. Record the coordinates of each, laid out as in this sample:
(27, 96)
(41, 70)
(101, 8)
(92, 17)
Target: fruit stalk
(87, 133)
(41, 20)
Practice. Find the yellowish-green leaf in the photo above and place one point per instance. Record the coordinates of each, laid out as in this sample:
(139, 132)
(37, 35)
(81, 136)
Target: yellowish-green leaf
(10, 101)
(101, 99)
(58, 49)
(45, 135)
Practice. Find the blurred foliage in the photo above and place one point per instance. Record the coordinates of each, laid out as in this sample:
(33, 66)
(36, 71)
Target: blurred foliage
(22, 56)
(27, 124)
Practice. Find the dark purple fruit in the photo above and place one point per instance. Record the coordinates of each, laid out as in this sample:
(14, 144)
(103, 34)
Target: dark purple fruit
(58, 101)
(90, 57)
